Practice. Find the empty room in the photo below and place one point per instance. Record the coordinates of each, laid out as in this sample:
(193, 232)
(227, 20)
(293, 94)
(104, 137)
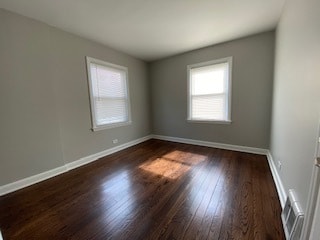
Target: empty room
(136, 119)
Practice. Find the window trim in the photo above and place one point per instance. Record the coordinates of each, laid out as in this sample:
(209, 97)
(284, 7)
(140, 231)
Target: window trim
(204, 64)
(96, 127)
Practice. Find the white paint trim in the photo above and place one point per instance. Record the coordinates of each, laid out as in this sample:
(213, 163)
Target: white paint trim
(95, 126)
(277, 180)
(209, 122)
(11, 187)
(312, 203)
(213, 144)
(25, 182)
(96, 156)
(228, 86)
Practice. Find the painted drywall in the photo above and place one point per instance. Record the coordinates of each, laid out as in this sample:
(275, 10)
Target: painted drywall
(253, 61)
(296, 99)
(44, 101)
(71, 89)
(29, 140)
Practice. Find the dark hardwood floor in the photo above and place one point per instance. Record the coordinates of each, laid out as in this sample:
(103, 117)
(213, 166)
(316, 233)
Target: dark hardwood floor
(154, 190)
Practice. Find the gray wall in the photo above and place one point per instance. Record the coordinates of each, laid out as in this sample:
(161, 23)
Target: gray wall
(296, 101)
(29, 126)
(71, 89)
(45, 112)
(253, 60)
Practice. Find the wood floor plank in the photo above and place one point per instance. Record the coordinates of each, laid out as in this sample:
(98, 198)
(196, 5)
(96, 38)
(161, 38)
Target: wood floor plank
(242, 224)
(155, 199)
(214, 205)
(162, 217)
(258, 222)
(176, 228)
(222, 221)
(154, 190)
(201, 218)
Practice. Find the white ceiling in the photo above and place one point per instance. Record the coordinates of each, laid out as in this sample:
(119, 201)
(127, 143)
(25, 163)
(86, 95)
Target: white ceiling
(154, 29)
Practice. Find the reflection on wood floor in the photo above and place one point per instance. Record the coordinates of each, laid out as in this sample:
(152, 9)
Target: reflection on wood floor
(154, 190)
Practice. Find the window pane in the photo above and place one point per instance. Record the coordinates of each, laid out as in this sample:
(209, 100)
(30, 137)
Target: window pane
(208, 107)
(108, 93)
(110, 111)
(209, 92)
(209, 79)
(107, 82)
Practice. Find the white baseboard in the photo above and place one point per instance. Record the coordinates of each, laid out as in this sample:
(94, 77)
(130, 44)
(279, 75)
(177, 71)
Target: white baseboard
(277, 180)
(25, 182)
(11, 187)
(260, 151)
(96, 156)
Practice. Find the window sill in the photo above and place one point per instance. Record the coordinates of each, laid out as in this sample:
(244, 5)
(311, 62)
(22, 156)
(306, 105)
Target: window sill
(109, 126)
(210, 121)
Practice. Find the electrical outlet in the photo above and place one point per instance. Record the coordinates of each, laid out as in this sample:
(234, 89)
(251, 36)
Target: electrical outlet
(279, 165)
(115, 141)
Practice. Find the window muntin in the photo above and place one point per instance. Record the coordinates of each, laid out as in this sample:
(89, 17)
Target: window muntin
(109, 95)
(209, 97)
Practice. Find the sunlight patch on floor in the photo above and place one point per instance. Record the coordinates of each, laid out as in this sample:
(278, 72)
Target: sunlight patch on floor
(173, 164)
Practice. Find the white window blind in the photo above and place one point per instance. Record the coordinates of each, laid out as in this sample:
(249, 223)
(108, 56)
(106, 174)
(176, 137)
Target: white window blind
(108, 94)
(209, 90)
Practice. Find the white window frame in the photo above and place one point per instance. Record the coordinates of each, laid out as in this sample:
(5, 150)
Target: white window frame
(96, 127)
(204, 64)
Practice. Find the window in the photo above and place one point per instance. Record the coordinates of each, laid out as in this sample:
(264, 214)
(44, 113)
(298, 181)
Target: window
(209, 97)
(109, 94)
